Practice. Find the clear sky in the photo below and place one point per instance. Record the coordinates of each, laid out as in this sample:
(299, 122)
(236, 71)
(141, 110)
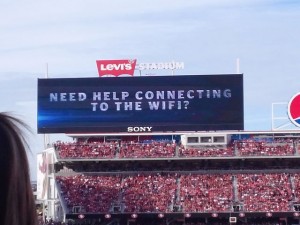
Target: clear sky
(207, 35)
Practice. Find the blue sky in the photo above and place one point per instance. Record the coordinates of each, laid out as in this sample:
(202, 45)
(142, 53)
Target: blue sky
(207, 35)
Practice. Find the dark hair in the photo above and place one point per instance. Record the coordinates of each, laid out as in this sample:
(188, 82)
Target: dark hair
(17, 202)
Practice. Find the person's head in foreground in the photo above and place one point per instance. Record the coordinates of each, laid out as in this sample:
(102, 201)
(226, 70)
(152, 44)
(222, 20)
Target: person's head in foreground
(16, 201)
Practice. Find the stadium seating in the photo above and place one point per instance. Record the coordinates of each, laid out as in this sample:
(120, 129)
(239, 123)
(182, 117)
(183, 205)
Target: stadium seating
(279, 147)
(149, 193)
(158, 192)
(167, 149)
(91, 193)
(115, 149)
(182, 185)
(135, 149)
(138, 193)
(206, 193)
(150, 149)
(207, 151)
(296, 187)
(265, 192)
(92, 150)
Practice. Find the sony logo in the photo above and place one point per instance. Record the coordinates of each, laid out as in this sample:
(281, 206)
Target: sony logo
(139, 129)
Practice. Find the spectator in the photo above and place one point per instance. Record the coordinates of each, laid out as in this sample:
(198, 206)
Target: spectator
(16, 202)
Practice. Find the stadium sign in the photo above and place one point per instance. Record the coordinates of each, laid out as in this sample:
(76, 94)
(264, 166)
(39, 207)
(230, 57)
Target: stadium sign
(141, 104)
(160, 66)
(139, 129)
(116, 67)
(127, 66)
(294, 109)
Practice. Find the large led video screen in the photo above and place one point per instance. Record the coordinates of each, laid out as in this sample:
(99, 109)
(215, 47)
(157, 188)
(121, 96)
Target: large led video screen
(141, 104)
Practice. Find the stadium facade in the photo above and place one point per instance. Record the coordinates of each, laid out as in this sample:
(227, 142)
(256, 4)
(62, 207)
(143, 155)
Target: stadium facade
(162, 150)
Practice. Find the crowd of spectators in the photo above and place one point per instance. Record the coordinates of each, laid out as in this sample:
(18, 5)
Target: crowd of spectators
(296, 187)
(185, 190)
(265, 192)
(134, 193)
(160, 192)
(209, 151)
(206, 193)
(86, 149)
(92, 194)
(167, 149)
(250, 147)
(116, 149)
(150, 149)
(192, 193)
(149, 193)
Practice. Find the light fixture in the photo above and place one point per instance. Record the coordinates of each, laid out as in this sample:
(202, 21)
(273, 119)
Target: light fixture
(187, 215)
(81, 216)
(134, 215)
(107, 216)
(214, 214)
(160, 215)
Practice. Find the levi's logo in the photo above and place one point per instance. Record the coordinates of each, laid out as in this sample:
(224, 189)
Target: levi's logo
(116, 67)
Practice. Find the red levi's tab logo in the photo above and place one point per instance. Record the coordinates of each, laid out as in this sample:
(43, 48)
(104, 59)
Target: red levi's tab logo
(116, 67)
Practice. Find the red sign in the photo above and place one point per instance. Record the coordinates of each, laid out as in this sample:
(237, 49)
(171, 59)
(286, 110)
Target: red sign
(116, 67)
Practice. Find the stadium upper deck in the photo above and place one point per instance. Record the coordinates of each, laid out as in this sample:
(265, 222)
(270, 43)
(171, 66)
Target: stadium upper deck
(250, 175)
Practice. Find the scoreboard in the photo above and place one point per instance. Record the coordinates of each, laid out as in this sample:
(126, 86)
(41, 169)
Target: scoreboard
(141, 104)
